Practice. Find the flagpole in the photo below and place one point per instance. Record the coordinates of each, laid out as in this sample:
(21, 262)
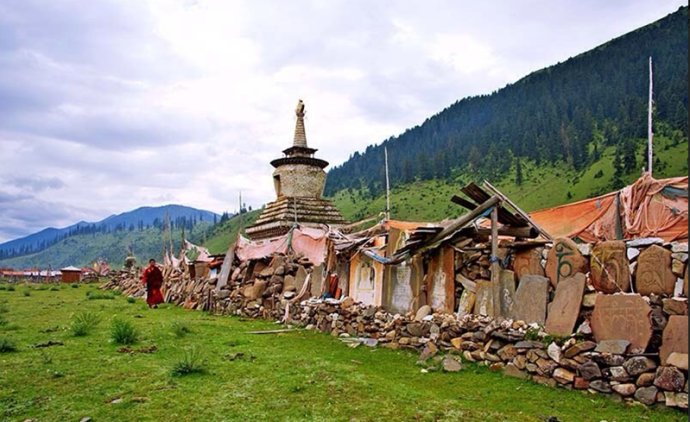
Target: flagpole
(388, 194)
(650, 133)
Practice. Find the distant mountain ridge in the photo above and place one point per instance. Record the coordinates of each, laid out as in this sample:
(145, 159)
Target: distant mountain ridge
(137, 219)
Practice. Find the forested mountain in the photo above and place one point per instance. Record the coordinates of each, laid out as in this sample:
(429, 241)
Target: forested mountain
(567, 113)
(139, 220)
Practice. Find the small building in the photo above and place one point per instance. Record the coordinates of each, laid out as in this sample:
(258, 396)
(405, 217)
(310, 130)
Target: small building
(71, 274)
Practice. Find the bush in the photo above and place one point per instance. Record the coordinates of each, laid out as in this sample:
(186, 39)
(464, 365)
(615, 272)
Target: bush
(7, 345)
(26, 293)
(191, 363)
(55, 289)
(131, 299)
(123, 332)
(3, 287)
(83, 322)
(75, 285)
(10, 288)
(99, 296)
(180, 329)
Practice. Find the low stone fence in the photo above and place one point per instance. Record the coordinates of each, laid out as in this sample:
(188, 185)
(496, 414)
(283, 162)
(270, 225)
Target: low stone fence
(654, 374)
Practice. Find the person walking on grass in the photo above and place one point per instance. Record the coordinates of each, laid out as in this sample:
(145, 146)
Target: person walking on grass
(152, 277)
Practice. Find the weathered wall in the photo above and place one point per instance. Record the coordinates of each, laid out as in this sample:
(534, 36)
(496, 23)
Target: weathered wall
(299, 180)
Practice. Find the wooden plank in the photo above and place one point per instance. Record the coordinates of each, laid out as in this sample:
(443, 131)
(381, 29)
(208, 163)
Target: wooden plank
(527, 232)
(463, 202)
(495, 267)
(504, 216)
(462, 221)
(517, 209)
(286, 330)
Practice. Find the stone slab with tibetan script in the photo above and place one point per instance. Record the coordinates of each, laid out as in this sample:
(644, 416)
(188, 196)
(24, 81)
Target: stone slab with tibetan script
(528, 262)
(610, 268)
(530, 301)
(622, 317)
(653, 274)
(564, 260)
(675, 337)
(565, 307)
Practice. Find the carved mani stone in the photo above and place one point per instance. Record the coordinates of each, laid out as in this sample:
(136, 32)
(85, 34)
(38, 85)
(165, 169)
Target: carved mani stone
(653, 274)
(610, 269)
(675, 337)
(622, 317)
(531, 297)
(564, 260)
(528, 262)
(565, 307)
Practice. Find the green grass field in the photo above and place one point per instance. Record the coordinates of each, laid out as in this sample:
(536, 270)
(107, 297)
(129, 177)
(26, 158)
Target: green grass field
(293, 376)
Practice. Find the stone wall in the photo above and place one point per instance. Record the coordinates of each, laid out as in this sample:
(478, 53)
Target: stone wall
(629, 346)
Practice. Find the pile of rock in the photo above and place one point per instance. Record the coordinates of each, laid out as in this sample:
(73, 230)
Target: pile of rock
(513, 347)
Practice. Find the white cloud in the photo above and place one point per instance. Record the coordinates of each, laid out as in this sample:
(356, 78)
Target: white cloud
(107, 106)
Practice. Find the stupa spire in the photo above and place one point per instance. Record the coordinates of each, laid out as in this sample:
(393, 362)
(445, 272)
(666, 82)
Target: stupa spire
(300, 135)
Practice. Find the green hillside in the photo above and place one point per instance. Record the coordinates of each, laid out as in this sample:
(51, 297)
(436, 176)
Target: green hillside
(563, 116)
(81, 250)
(543, 186)
(224, 233)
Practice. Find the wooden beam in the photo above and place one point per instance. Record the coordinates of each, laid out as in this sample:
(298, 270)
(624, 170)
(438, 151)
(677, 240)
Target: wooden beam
(528, 232)
(517, 209)
(526, 243)
(463, 202)
(495, 267)
(463, 220)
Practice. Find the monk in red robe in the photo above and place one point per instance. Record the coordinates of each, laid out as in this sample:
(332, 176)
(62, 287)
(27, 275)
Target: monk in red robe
(152, 277)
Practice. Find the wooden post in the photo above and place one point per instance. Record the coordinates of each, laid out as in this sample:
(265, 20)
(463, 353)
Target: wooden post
(495, 267)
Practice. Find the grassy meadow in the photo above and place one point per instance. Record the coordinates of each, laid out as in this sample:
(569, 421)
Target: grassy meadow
(188, 365)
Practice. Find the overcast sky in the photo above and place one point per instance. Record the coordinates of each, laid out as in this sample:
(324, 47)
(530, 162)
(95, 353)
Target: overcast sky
(108, 106)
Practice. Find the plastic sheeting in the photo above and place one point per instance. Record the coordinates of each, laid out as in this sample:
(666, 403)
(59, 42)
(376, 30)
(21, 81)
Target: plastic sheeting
(306, 241)
(647, 208)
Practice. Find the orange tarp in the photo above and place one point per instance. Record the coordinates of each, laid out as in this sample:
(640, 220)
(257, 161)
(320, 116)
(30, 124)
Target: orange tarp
(647, 208)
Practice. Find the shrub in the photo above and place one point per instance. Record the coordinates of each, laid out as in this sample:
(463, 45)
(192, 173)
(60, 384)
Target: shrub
(55, 289)
(99, 295)
(123, 332)
(10, 288)
(180, 329)
(75, 285)
(191, 363)
(131, 299)
(27, 293)
(7, 345)
(83, 322)
(3, 287)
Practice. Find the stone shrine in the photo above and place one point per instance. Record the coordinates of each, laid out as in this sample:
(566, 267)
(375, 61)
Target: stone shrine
(299, 180)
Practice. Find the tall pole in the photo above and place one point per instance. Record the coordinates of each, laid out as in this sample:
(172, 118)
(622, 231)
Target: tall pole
(495, 267)
(388, 188)
(240, 212)
(650, 134)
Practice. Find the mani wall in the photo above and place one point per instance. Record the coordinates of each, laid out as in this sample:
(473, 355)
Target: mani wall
(609, 318)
